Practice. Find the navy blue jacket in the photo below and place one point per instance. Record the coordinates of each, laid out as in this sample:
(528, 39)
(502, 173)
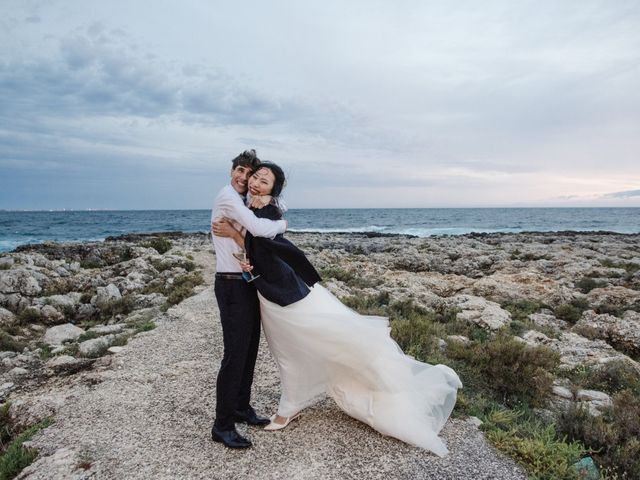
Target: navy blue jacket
(285, 272)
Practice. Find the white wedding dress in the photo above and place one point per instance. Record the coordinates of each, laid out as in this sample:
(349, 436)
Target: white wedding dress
(323, 347)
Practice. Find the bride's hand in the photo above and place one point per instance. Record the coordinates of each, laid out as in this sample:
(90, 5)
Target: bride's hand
(246, 267)
(223, 228)
(260, 201)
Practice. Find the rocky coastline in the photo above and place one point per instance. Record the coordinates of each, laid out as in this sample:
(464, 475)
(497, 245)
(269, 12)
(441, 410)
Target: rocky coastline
(67, 310)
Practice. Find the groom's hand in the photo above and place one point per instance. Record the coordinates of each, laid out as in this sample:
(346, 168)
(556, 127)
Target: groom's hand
(222, 228)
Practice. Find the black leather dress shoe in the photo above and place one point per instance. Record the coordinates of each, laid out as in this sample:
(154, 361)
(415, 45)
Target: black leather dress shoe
(251, 417)
(230, 438)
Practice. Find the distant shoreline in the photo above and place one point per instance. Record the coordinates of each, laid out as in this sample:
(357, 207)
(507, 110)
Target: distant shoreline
(65, 210)
(138, 236)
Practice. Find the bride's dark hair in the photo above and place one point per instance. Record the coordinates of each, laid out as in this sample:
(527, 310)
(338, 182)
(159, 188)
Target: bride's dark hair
(278, 173)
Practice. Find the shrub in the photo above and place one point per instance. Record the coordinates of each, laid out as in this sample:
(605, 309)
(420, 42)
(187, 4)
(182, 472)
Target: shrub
(126, 254)
(586, 284)
(92, 262)
(122, 306)
(88, 336)
(29, 315)
(613, 436)
(521, 309)
(183, 286)
(568, 312)
(539, 451)
(8, 343)
(350, 278)
(160, 244)
(416, 334)
(368, 304)
(501, 360)
(614, 377)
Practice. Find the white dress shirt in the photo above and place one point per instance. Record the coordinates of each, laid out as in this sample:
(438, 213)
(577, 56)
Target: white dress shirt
(229, 204)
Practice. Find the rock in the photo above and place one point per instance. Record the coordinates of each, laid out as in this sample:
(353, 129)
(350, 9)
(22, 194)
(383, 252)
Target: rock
(51, 316)
(483, 313)
(5, 390)
(576, 350)
(459, 338)
(442, 344)
(14, 302)
(62, 333)
(86, 311)
(115, 349)
(64, 463)
(66, 364)
(548, 320)
(562, 392)
(516, 286)
(535, 338)
(617, 297)
(622, 333)
(60, 302)
(17, 372)
(147, 301)
(7, 318)
(106, 296)
(96, 346)
(590, 395)
(475, 421)
(106, 329)
(19, 280)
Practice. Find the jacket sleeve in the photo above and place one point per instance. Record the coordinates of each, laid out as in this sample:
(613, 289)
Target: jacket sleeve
(259, 227)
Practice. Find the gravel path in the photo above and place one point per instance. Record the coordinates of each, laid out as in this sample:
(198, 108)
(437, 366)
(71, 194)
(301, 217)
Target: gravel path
(146, 413)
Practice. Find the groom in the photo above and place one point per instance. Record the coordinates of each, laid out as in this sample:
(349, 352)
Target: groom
(239, 307)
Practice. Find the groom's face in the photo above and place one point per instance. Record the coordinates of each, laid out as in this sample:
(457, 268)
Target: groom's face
(239, 178)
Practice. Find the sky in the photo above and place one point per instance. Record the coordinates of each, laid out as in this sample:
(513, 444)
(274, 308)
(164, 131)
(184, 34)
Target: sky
(139, 105)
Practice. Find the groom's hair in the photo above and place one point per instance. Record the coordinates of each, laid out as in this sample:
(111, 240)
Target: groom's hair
(248, 158)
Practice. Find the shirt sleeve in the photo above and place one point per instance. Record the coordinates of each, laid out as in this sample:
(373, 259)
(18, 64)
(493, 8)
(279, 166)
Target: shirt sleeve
(259, 227)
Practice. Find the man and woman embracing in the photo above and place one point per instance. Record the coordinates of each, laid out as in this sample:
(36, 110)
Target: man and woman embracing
(321, 346)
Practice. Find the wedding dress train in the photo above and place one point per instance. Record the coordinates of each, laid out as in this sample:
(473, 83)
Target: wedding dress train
(323, 347)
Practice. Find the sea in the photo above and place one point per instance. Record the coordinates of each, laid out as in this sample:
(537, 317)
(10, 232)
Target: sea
(23, 227)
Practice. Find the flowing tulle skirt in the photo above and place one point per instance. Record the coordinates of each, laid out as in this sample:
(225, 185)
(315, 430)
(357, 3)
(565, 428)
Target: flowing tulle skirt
(323, 347)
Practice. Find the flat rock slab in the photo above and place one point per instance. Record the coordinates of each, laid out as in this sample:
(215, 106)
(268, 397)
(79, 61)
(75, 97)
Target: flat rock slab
(149, 414)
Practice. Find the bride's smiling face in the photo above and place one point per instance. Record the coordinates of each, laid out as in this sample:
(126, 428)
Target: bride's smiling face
(261, 182)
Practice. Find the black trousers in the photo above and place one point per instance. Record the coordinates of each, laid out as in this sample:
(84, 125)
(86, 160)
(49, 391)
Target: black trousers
(240, 318)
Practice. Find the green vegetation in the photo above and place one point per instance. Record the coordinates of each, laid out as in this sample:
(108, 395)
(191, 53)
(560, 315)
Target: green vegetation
(571, 312)
(488, 366)
(91, 262)
(14, 456)
(183, 286)
(613, 437)
(532, 443)
(612, 377)
(586, 284)
(8, 343)
(88, 336)
(350, 278)
(29, 315)
(630, 267)
(122, 306)
(160, 244)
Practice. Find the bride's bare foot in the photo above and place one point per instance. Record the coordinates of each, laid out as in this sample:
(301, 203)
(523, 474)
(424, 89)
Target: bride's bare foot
(280, 420)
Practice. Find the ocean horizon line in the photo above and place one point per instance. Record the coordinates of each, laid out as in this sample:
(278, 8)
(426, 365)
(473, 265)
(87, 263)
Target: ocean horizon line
(62, 210)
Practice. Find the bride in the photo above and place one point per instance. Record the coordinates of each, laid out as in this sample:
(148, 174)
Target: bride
(323, 347)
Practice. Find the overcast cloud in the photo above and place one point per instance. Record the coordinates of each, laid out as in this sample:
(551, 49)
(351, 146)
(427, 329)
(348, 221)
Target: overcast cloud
(364, 103)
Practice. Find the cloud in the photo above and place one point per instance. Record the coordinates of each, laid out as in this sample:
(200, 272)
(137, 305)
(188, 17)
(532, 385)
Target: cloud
(624, 194)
